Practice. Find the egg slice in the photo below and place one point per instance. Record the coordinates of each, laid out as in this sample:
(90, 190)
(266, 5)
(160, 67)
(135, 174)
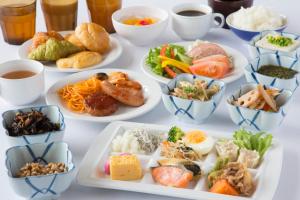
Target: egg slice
(199, 142)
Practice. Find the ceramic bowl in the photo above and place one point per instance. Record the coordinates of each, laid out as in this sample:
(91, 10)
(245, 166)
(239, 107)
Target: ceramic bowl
(257, 51)
(273, 59)
(247, 34)
(258, 120)
(228, 7)
(52, 112)
(44, 187)
(191, 111)
(140, 35)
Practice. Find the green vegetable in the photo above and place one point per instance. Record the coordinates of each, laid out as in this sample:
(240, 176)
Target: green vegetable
(172, 51)
(175, 134)
(280, 40)
(184, 58)
(154, 61)
(259, 141)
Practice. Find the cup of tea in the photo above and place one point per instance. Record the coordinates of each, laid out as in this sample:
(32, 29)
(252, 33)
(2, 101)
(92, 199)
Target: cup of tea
(60, 15)
(192, 21)
(100, 12)
(21, 81)
(17, 19)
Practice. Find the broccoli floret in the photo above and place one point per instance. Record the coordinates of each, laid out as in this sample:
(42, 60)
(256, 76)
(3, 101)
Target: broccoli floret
(174, 134)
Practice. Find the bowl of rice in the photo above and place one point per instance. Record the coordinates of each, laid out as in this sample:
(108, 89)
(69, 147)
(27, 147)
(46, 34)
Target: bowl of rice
(249, 22)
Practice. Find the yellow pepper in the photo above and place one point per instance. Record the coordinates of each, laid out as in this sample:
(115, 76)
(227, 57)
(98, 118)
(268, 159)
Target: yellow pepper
(175, 63)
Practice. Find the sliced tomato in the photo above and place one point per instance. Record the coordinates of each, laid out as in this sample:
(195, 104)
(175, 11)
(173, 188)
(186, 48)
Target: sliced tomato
(170, 72)
(213, 69)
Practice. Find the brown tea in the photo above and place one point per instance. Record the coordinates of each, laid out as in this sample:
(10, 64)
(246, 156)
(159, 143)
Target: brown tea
(18, 74)
(17, 19)
(101, 11)
(60, 15)
(191, 13)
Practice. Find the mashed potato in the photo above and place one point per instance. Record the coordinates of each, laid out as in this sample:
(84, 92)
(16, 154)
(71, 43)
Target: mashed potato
(257, 18)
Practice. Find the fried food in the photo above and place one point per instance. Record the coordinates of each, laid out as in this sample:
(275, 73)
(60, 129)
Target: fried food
(126, 91)
(93, 37)
(42, 37)
(100, 104)
(80, 60)
(71, 37)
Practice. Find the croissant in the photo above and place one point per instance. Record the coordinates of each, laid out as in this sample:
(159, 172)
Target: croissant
(53, 50)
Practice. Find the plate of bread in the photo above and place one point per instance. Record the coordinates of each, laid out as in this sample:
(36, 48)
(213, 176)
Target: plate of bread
(89, 46)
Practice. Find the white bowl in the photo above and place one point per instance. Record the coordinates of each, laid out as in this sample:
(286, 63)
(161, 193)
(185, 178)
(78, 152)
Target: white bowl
(273, 59)
(52, 112)
(191, 111)
(44, 187)
(257, 120)
(257, 51)
(140, 35)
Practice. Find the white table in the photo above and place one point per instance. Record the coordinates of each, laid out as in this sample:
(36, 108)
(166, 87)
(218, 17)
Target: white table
(79, 135)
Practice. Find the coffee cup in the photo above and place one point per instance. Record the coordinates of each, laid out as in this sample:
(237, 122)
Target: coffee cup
(192, 21)
(21, 81)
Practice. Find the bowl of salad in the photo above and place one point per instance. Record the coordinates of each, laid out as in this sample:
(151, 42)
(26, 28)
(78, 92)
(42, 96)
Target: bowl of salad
(203, 58)
(191, 98)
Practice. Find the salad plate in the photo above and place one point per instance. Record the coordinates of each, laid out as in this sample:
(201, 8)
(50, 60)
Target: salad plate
(150, 89)
(108, 58)
(91, 172)
(239, 61)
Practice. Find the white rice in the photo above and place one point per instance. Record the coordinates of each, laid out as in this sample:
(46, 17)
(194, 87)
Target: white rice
(257, 18)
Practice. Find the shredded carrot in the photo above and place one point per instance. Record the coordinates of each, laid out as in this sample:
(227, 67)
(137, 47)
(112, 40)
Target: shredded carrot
(74, 94)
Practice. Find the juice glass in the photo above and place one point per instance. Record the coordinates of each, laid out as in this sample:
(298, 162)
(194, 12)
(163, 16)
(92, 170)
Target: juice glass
(60, 15)
(17, 20)
(100, 12)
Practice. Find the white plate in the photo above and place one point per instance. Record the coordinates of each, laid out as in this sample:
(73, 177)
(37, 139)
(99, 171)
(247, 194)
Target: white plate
(152, 94)
(239, 62)
(111, 56)
(266, 176)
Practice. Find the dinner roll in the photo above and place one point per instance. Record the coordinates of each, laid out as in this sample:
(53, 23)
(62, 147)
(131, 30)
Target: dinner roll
(93, 36)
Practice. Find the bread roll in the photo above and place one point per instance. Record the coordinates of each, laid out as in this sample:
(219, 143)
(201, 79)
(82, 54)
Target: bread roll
(93, 37)
(74, 40)
(79, 60)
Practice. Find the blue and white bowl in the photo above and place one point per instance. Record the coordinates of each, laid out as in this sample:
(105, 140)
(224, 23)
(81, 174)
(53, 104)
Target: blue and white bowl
(257, 120)
(257, 51)
(52, 112)
(247, 34)
(44, 187)
(253, 76)
(191, 111)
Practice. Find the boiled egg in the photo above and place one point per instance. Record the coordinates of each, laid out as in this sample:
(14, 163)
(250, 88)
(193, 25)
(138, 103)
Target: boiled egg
(199, 142)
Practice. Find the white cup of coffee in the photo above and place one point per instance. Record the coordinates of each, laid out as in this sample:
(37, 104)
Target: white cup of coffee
(192, 21)
(21, 81)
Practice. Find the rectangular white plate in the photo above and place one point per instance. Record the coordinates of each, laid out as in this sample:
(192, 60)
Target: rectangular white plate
(266, 176)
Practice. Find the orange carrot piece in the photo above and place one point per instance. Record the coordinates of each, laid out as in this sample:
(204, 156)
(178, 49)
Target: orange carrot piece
(223, 187)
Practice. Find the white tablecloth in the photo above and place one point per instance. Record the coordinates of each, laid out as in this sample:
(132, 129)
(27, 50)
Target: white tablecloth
(79, 135)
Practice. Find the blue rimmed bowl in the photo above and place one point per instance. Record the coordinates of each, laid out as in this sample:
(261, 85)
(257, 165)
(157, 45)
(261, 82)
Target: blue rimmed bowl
(52, 112)
(273, 59)
(247, 34)
(258, 120)
(191, 111)
(255, 51)
(45, 187)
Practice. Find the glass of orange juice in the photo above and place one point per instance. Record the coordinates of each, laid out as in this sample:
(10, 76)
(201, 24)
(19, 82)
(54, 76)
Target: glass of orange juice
(101, 11)
(17, 19)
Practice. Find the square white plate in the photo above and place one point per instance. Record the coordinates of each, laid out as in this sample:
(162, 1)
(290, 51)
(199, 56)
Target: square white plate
(266, 176)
